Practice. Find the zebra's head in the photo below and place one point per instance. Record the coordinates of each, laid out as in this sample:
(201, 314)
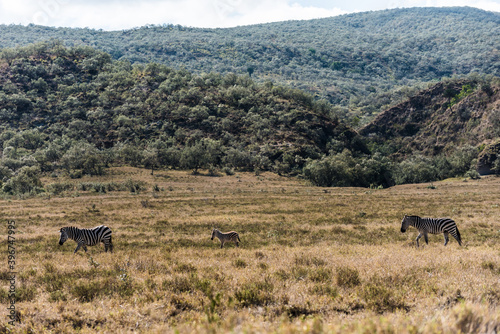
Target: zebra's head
(407, 220)
(213, 234)
(64, 236)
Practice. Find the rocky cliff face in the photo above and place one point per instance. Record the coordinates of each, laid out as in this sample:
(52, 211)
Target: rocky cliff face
(441, 118)
(487, 158)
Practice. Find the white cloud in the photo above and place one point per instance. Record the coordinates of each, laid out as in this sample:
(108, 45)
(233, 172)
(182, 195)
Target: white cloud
(195, 13)
(124, 14)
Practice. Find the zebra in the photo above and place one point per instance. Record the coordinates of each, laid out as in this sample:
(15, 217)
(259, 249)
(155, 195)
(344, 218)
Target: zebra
(223, 237)
(87, 237)
(432, 225)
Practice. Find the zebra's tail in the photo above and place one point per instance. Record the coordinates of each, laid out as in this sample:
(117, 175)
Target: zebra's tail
(459, 238)
(238, 236)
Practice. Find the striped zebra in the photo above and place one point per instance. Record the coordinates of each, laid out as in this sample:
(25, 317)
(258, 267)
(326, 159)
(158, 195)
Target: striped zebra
(432, 225)
(223, 237)
(87, 237)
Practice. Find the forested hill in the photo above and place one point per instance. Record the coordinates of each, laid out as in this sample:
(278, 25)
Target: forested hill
(75, 111)
(359, 60)
(60, 105)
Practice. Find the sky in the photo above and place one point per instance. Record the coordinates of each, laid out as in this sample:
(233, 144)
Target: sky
(126, 14)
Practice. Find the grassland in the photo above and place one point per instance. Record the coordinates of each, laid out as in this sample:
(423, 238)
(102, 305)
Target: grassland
(311, 259)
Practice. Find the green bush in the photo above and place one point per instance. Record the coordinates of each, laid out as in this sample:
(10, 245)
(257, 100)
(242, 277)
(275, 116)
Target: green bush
(417, 169)
(58, 188)
(85, 157)
(344, 169)
(26, 181)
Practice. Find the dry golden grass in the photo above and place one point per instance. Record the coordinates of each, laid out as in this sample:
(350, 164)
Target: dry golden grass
(311, 259)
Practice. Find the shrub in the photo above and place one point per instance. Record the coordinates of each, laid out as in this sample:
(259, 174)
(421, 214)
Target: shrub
(324, 290)
(344, 169)
(56, 296)
(89, 290)
(27, 180)
(239, 263)
(380, 298)
(58, 188)
(25, 293)
(321, 275)
(85, 157)
(185, 268)
(416, 169)
(178, 284)
(255, 294)
(347, 277)
(463, 160)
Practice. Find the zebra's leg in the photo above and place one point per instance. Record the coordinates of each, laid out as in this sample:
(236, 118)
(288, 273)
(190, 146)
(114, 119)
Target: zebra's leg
(446, 238)
(108, 244)
(418, 237)
(221, 244)
(77, 248)
(426, 238)
(84, 248)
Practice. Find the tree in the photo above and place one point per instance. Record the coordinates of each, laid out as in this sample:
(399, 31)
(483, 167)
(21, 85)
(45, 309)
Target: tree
(202, 154)
(84, 157)
(150, 159)
(26, 180)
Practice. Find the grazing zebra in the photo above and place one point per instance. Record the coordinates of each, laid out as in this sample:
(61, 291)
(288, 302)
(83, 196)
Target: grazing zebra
(87, 237)
(432, 225)
(223, 237)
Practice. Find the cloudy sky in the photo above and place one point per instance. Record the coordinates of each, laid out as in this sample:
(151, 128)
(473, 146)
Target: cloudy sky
(124, 14)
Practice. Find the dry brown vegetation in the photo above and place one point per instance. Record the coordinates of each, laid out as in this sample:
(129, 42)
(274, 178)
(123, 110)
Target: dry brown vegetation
(311, 259)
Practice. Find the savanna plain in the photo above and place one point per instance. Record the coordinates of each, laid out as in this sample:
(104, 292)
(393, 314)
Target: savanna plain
(311, 259)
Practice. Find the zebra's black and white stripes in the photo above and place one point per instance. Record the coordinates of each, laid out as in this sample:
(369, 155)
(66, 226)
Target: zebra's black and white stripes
(224, 237)
(87, 237)
(433, 226)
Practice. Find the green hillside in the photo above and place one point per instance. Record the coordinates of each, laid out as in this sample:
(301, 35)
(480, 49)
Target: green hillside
(361, 62)
(78, 111)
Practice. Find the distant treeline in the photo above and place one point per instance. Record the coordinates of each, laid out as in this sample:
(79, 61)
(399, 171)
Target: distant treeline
(361, 62)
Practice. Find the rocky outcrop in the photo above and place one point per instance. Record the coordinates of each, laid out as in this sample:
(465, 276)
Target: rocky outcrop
(440, 118)
(487, 158)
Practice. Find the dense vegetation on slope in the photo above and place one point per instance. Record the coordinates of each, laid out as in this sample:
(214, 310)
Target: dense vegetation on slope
(362, 61)
(75, 110)
(447, 115)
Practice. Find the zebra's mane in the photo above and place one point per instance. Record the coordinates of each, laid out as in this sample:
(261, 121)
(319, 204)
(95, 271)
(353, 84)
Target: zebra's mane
(71, 228)
(79, 228)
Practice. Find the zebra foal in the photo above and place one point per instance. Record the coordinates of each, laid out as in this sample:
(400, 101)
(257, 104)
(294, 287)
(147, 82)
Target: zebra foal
(433, 226)
(223, 237)
(87, 237)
